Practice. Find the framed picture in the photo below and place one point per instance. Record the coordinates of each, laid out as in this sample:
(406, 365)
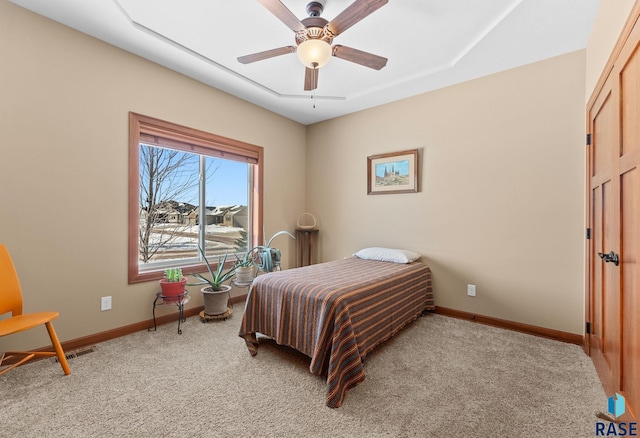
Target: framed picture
(395, 172)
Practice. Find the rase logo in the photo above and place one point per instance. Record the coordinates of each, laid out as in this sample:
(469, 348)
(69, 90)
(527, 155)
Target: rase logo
(616, 407)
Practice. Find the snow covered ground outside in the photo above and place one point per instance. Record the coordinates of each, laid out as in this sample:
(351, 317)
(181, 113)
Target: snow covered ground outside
(181, 241)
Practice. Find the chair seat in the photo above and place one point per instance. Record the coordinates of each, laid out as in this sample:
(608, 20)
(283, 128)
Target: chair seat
(20, 323)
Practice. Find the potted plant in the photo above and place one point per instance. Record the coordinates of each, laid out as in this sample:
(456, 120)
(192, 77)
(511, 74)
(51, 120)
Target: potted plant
(172, 285)
(215, 294)
(245, 268)
(269, 257)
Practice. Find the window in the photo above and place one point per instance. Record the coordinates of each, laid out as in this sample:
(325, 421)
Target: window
(189, 188)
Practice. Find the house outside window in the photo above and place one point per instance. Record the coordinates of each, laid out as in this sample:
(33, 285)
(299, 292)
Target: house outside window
(189, 188)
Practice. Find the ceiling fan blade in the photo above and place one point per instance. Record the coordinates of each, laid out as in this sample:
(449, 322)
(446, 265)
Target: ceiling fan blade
(283, 14)
(359, 57)
(354, 13)
(247, 59)
(310, 78)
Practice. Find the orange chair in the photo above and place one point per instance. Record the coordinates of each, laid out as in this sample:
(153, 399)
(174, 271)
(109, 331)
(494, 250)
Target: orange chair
(11, 301)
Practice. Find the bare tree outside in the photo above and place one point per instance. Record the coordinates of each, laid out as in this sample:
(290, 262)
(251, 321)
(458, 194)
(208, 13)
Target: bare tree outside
(166, 175)
(188, 189)
(169, 227)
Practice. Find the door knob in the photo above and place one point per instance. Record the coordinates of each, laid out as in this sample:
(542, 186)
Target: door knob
(611, 257)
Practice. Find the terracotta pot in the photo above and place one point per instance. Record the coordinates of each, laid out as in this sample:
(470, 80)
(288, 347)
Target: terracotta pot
(172, 289)
(215, 301)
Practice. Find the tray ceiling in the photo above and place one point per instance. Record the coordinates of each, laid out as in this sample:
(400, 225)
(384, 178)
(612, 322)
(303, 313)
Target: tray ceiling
(429, 44)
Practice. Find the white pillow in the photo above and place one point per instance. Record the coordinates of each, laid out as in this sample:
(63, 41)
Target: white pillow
(388, 255)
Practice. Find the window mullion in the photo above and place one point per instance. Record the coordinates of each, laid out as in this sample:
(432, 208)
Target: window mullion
(202, 213)
(250, 224)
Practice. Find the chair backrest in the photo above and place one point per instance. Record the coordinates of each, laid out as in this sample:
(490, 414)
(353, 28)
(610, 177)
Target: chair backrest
(10, 292)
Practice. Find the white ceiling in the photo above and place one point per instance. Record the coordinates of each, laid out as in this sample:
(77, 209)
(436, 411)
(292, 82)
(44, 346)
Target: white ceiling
(430, 44)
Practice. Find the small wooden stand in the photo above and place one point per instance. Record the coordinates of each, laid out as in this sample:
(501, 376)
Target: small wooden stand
(306, 241)
(205, 318)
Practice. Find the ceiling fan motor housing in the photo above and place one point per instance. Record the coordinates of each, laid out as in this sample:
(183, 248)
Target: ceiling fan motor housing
(315, 29)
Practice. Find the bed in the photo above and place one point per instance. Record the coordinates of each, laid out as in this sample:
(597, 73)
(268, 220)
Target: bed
(336, 312)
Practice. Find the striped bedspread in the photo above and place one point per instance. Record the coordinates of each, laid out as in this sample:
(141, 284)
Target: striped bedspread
(336, 313)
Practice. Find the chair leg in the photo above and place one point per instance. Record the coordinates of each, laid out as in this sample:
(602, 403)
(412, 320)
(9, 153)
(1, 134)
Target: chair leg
(59, 351)
(11, 355)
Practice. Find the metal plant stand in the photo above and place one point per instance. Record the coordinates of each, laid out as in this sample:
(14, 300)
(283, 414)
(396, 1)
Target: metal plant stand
(177, 300)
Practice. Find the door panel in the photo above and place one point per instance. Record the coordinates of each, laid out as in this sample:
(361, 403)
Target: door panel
(613, 160)
(605, 304)
(628, 168)
(630, 108)
(630, 302)
(602, 128)
(630, 220)
(597, 306)
(610, 297)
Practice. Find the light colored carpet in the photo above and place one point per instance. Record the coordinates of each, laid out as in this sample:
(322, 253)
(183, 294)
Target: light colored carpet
(439, 377)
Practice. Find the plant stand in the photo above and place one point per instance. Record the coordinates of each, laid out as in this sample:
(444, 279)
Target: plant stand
(306, 239)
(177, 300)
(222, 316)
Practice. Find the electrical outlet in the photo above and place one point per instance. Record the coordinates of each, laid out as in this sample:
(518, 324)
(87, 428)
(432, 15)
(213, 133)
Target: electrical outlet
(471, 290)
(105, 303)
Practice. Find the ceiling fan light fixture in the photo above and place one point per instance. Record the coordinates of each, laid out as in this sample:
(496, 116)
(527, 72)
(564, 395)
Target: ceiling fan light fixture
(314, 53)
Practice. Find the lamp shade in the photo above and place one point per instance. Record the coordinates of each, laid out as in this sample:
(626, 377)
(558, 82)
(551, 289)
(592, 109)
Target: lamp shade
(314, 51)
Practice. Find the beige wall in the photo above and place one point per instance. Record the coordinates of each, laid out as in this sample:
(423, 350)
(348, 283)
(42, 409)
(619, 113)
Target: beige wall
(501, 204)
(64, 121)
(611, 18)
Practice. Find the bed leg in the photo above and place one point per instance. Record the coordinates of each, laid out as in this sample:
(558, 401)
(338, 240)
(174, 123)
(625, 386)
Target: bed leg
(252, 343)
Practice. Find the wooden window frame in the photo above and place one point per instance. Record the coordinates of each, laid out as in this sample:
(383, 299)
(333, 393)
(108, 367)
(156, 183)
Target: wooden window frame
(186, 139)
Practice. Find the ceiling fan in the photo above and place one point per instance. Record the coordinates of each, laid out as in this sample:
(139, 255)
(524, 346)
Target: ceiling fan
(314, 36)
